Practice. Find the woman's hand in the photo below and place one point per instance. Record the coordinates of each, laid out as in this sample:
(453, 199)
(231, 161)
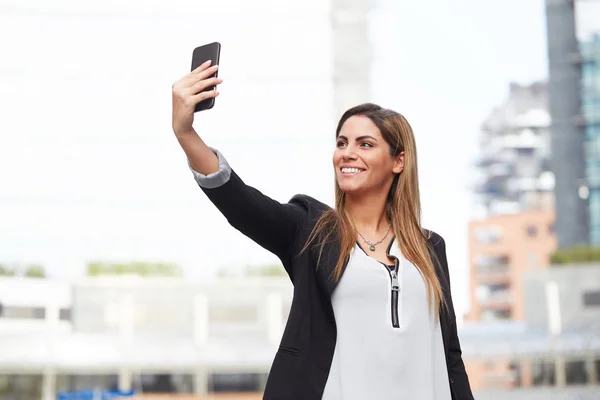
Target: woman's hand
(187, 92)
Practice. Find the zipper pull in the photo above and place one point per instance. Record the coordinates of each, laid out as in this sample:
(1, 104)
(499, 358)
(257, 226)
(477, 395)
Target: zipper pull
(395, 282)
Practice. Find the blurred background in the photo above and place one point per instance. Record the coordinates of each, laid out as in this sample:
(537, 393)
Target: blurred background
(116, 273)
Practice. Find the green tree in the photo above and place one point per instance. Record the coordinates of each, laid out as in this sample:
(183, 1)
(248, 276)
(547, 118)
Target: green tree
(267, 270)
(7, 271)
(274, 270)
(576, 255)
(35, 271)
(99, 268)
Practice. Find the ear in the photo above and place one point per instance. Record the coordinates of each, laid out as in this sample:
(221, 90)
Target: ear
(398, 163)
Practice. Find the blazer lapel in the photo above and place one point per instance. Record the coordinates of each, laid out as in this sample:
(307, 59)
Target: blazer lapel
(327, 263)
(444, 314)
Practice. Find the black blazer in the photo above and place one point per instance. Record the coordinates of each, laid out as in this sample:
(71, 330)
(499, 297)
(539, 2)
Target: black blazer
(301, 366)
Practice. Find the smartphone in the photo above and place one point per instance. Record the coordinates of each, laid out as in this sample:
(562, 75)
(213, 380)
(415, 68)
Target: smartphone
(211, 51)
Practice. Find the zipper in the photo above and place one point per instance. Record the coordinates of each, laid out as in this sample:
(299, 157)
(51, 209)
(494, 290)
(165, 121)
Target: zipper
(395, 285)
(395, 295)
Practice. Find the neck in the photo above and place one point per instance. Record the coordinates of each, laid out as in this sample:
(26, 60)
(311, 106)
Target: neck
(368, 214)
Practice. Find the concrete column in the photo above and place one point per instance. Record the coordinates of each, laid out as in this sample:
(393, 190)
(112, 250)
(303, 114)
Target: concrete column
(553, 308)
(274, 317)
(526, 374)
(555, 329)
(126, 331)
(52, 319)
(201, 382)
(560, 371)
(125, 379)
(592, 371)
(200, 332)
(49, 384)
(200, 319)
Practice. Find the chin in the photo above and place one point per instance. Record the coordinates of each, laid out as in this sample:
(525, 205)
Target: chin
(349, 188)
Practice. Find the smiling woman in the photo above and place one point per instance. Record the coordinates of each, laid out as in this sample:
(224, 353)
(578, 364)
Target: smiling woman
(372, 314)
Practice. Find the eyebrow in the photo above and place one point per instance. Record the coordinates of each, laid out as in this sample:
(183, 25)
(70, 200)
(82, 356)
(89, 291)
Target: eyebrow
(363, 137)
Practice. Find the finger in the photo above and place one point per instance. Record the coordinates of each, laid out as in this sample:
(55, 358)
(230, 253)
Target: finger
(206, 72)
(193, 77)
(202, 66)
(201, 85)
(205, 95)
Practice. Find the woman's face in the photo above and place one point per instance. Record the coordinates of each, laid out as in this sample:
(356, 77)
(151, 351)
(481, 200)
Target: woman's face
(362, 159)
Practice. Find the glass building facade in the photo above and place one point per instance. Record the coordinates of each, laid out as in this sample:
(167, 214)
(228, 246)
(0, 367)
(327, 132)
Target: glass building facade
(590, 51)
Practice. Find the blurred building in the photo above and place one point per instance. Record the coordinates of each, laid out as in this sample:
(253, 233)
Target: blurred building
(515, 194)
(557, 343)
(590, 55)
(352, 53)
(155, 335)
(166, 335)
(24, 302)
(502, 249)
(514, 163)
(538, 193)
(568, 124)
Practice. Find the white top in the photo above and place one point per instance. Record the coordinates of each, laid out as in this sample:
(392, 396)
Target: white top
(372, 359)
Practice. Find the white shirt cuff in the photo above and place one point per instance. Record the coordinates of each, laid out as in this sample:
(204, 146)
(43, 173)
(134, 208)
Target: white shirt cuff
(216, 179)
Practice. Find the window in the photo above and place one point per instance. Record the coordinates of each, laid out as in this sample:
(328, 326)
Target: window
(20, 387)
(495, 315)
(591, 299)
(531, 231)
(68, 385)
(488, 234)
(16, 312)
(499, 293)
(237, 382)
(65, 314)
(487, 265)
(515, 370)
(576, 373)
(543, 373)
(166, 383)
(491, 260)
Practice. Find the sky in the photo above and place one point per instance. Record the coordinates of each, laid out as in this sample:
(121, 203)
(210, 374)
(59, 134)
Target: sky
(89, 166)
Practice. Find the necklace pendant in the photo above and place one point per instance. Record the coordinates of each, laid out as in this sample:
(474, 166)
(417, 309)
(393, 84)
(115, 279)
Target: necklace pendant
(372, 247)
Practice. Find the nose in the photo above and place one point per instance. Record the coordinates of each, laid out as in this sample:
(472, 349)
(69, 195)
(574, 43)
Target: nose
(349, 154)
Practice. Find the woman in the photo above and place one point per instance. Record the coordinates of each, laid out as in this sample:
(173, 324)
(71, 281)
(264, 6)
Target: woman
(372, 314)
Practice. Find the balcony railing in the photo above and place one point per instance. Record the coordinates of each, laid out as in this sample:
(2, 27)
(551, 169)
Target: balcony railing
(484, 270)
(501, 296)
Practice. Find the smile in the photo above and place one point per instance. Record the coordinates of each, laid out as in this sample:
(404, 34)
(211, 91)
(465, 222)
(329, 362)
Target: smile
(351, 171)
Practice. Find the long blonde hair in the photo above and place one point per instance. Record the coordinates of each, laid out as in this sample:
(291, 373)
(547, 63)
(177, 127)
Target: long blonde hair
(403, 205)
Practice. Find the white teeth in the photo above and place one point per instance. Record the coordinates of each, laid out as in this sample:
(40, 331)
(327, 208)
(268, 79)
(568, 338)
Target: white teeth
(350, 170)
